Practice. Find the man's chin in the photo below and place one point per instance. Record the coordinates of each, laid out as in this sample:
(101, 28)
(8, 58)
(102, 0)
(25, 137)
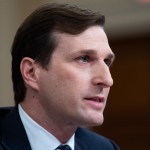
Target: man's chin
(98, 123)
(95, 122)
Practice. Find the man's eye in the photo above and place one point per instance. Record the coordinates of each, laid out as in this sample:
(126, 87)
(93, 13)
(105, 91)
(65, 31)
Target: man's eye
(108, 62)
(84, 58)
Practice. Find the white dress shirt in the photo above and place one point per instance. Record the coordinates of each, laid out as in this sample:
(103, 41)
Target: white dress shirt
(39, 138)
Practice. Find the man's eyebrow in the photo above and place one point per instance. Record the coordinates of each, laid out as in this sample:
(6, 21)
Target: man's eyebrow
(87, 51)
(110, 56)
(84, 52)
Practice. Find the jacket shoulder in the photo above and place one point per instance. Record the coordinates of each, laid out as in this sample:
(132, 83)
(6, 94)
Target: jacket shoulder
(4, 111)
(95, 141)
(1, 147)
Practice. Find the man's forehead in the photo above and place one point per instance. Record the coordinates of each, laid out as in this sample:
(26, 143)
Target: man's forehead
(94, 29)
(84, 43)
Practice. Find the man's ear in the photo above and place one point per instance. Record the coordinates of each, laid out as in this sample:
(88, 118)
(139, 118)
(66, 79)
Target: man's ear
(29, 71)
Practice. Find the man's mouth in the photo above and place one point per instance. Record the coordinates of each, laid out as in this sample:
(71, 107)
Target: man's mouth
(96, 102)
(95, 99)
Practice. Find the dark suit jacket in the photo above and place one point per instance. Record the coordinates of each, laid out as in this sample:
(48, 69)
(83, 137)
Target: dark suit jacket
(13, 135)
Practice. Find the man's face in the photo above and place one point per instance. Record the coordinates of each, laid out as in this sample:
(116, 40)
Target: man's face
(75, 87)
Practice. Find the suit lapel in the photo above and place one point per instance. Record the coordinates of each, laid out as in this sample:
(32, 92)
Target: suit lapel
(13, 133)
(79, 144)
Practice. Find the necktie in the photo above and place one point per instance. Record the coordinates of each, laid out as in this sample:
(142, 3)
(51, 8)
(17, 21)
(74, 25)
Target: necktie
(63, 147)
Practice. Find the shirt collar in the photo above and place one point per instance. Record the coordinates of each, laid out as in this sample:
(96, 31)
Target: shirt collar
(40, 138)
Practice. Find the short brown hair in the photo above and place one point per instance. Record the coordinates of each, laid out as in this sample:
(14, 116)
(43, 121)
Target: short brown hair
(35, 39)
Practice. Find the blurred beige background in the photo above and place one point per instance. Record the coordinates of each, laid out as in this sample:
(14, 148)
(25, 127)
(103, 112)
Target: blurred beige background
(127, 115)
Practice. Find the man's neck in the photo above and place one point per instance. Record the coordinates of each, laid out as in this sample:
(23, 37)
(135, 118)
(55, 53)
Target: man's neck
(63, 132)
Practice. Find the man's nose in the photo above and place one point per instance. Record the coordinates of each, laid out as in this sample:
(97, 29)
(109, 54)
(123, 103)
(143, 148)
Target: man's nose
(102, 76)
